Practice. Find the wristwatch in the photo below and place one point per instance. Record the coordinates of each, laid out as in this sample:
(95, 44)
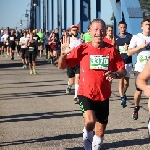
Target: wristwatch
(117, 75)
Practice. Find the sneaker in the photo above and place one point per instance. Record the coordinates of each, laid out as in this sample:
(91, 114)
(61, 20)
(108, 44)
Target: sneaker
(31, 72)
(23, 67)
(49, 61)
(135, 112)
(26, 66)
(123, 102)
(76, 100)
(6, 56)
(68, 90)
(149, 128)
(12, 58)
(34, 71)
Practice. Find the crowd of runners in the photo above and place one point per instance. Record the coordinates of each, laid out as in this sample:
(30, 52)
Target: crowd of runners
(93, 59)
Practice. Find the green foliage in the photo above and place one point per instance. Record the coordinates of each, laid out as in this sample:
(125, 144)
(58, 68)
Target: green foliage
(145, 5)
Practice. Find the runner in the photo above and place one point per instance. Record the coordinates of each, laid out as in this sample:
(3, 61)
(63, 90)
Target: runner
(52, 53)
(109, 38)
(1, 42)
(5, 40)
(36, 38)
(140, 45)
(73, 72)
(12, 43)
(19, 35)
(41, 42)
(86, 36)
(97, 61)
(32, 54)
(47, 46)
(24, 43)
(141, 81)
(122, 42)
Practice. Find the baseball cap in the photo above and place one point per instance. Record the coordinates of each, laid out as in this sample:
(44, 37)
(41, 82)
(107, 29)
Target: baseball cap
(33, 31)
(74, 26)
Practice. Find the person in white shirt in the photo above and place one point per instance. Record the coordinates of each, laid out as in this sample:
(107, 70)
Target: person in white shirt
(73, 72)
(24, 47)
(5, 40)
(140, 45)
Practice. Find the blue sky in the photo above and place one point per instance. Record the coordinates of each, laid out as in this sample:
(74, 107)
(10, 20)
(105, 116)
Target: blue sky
(11, 12)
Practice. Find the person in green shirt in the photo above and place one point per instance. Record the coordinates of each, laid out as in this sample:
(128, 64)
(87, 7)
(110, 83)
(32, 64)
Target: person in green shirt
(41, 41)
(86, 36)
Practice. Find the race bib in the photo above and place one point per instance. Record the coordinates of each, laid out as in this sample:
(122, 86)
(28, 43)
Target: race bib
(99, 62)
(31, 48)
(11, 38)
(6, 43)
(35, 38)
(54, 43)
(143, 58)
(122, 49)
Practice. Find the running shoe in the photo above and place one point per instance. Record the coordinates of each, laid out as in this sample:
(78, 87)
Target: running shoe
(68, 90)
(23, 67)
(135, 112)
(34, 71)
(123, 102)
(49, 61)
(76, 100)
(31, 72)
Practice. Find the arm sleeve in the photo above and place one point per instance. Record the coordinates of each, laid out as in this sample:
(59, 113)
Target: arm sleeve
(133, 42)
(118, 61)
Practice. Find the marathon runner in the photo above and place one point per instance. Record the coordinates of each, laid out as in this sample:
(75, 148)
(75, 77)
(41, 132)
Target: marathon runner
(100, 63)
(122, 42)
(73, 72)
(140, 45)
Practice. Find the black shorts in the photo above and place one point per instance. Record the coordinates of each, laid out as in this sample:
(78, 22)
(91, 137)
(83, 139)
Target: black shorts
(71, 71)
(31, 56)
(5, 46)
(1, 44)
(24, 52)
(12, 46)
(101, 108)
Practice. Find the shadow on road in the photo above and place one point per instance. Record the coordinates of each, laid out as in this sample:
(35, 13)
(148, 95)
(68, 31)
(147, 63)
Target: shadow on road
(41, 140)
(12, 96)
(39, 116)
(125, 143)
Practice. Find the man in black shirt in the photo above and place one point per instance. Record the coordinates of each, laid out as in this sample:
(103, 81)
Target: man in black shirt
(12, 43)
(122, 41)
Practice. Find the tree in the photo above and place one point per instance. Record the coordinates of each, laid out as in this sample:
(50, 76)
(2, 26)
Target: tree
(145, 6)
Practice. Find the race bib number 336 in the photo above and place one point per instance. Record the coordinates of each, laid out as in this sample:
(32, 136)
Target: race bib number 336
(99, 62)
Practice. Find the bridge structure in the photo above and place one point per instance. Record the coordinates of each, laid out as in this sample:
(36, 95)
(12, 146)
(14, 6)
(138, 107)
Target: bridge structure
(51, 14)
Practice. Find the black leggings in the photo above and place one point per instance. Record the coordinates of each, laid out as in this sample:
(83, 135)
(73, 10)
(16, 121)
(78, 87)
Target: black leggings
(24, 53)
(31, 56)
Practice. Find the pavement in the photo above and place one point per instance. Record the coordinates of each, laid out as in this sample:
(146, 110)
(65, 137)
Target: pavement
(36, 114)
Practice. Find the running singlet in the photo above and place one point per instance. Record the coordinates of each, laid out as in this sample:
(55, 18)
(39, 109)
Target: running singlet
(94, 63)
(74, 43)
(143, 55)
(5, 38)
(41, 35)
(12, 39)
(120, 42)
(23, 41)
(32, 47)
(87, 37)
